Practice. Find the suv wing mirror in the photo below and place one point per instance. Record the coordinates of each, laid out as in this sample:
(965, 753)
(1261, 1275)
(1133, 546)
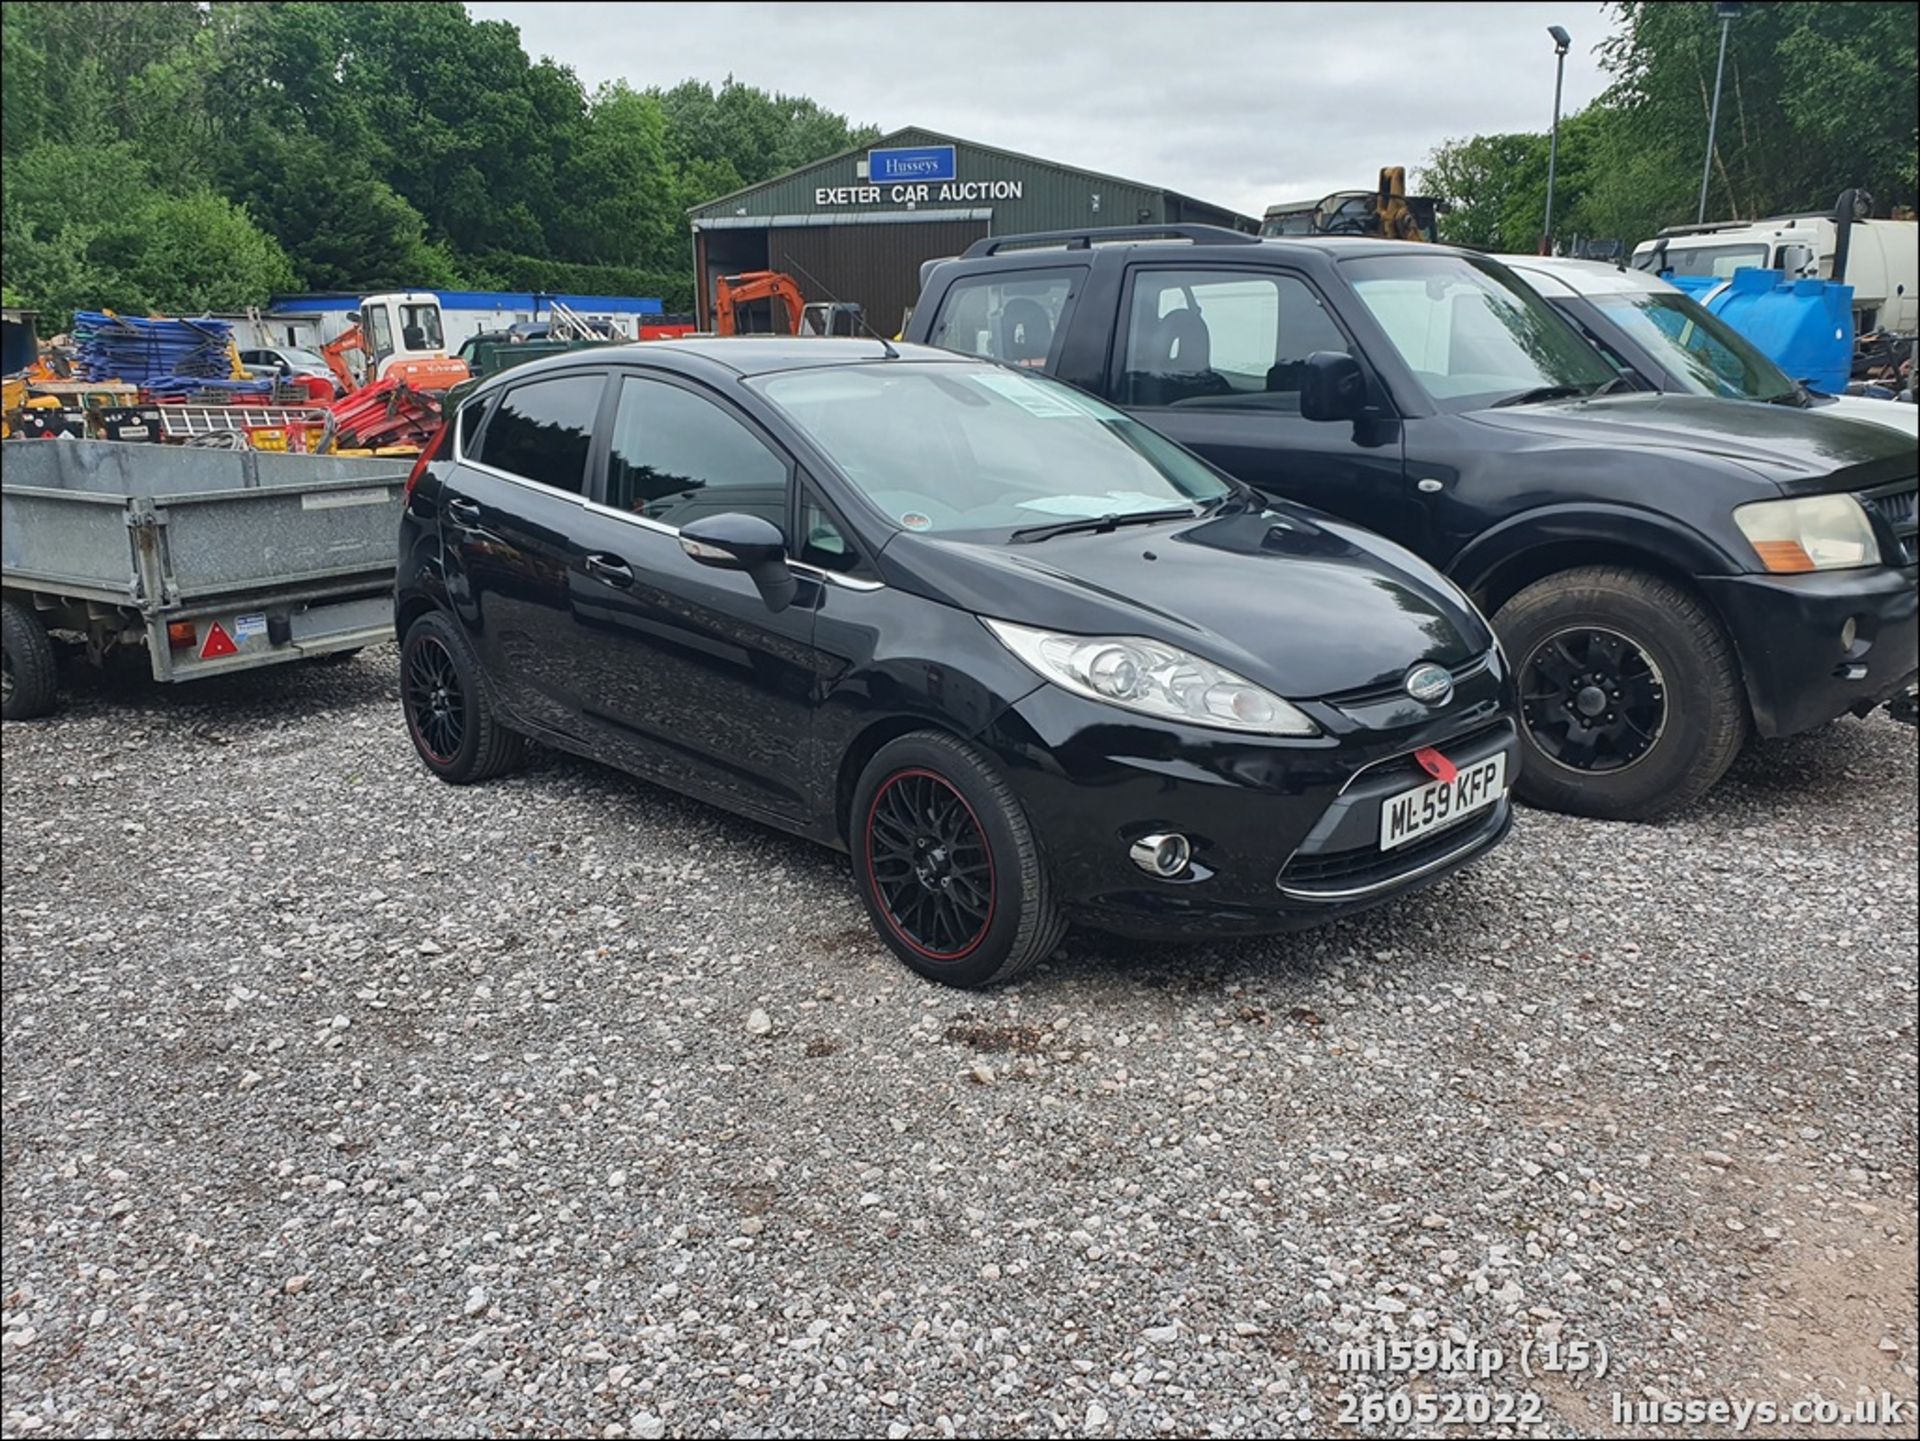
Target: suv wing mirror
(1333, 388)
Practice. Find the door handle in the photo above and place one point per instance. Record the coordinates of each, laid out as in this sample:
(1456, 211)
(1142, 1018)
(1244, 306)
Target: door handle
(611, 569)
(466, 512)
(1430, 486)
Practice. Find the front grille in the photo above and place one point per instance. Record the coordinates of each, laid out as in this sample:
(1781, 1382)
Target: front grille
(1396, 689)
(1368, 865)
(1898, 508)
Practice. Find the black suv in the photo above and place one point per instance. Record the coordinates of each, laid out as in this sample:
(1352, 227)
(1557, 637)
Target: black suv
(1669, 573)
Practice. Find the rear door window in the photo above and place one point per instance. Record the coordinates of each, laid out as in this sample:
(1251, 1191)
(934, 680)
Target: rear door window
(676, 456)
(1017, 317)
(542, 431)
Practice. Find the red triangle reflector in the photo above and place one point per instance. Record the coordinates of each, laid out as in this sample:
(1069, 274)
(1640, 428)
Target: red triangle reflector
(218, 643)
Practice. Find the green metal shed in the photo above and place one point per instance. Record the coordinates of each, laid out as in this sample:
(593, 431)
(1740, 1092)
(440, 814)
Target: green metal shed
(858, 225)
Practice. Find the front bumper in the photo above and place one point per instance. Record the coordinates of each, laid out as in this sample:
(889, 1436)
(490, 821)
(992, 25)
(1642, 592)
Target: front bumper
(1284, 833)
(1787, 629)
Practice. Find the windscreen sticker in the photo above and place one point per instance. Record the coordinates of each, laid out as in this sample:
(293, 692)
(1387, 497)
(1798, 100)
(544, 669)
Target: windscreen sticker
(246, 627)
(1046, 401)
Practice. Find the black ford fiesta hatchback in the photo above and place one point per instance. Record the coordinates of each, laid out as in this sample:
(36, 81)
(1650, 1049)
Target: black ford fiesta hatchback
(1025, 659)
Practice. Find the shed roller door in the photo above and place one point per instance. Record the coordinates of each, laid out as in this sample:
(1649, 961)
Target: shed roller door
(877, 265)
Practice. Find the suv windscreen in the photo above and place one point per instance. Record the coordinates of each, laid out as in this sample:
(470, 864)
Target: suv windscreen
(952, 449)
(1699, 349)
(1471, 336)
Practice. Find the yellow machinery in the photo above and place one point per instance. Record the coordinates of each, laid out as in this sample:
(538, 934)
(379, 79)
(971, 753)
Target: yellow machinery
(1387, 212)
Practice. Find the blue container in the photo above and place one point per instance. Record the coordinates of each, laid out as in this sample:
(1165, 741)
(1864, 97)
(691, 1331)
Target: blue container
(1803, 326)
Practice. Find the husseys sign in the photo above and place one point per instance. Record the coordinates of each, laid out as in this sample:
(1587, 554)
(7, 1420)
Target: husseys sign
(914, 175)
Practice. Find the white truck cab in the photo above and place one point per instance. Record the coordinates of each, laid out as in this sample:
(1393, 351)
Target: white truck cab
(1883, 266)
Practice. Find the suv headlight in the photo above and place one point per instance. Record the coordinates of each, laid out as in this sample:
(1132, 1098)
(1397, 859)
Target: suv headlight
(1155, 679)
(1814, 532)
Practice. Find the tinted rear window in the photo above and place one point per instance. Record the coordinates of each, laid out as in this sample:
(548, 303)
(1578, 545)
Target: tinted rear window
(542, 431)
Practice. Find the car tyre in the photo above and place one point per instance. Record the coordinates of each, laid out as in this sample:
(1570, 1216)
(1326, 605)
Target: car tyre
(27, 663)
(450, 716)
(947, 864)
(1630, 693)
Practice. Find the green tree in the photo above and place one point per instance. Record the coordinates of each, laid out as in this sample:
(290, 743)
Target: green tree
(1818, 97)
(201, 252)
(379, 144)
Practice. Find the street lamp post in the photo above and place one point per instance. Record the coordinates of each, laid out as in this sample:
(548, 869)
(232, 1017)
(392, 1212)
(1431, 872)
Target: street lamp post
(1728, 11)
(1561, 41)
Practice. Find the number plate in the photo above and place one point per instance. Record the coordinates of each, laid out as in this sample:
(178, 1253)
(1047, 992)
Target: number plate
(1434, 806)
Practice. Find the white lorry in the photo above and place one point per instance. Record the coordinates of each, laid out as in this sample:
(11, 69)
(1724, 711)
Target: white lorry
(1882, 266)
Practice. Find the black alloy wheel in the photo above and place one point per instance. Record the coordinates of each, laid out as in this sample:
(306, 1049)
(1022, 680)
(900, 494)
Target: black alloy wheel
(947, 865)
(450, 715)
(1631, 699)
(1593, 700)
(930, 865)
(436, 701)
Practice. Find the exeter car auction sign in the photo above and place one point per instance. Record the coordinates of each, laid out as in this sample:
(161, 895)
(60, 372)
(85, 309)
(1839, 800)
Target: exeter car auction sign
(914, 175)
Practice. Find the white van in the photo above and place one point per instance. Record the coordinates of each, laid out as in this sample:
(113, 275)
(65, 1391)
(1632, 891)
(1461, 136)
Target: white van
(1883, 261)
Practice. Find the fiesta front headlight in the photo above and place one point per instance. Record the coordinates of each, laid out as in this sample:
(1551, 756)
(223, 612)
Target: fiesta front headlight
(1152, 678)
(1814, 532)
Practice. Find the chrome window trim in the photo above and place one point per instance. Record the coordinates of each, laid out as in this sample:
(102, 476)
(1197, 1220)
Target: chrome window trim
(658, 527)
(538, 486)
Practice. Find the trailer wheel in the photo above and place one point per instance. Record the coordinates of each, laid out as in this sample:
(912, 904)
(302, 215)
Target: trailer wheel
(27, 669)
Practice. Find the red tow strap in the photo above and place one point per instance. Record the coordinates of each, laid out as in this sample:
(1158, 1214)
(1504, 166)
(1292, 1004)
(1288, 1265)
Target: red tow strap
(1435, 764)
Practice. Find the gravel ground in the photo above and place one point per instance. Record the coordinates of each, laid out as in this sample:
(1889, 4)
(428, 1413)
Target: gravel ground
(341, 1102)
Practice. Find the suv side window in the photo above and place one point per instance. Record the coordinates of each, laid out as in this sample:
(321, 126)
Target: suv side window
(1017, 317)
(1211, 338)
(542, 431)
(676, 456)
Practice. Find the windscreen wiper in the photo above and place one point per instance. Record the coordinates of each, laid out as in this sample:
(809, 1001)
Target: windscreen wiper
(1540, 393)
(1097, 523)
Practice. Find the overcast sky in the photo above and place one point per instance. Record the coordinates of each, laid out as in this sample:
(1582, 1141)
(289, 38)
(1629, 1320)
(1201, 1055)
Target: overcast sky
(1241, 105)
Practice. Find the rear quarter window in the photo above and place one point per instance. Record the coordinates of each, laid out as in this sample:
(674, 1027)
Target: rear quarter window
(1017, 316)
(542, 431)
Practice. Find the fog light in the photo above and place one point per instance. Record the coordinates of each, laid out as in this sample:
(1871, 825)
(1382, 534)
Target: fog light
(1849, 633)
(1162, 856)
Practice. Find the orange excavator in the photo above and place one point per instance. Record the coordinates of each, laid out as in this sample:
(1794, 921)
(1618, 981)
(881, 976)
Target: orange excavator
(734, 295)
(397, 336)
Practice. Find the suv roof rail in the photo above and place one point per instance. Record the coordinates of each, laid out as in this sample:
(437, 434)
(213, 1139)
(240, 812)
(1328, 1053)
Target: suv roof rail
(1086, 239)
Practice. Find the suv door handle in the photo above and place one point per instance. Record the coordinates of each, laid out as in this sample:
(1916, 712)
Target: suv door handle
(466, 512)
(611, 569)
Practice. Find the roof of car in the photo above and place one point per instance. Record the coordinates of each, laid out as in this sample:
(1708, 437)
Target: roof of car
(1041, 247)
(757, 354)
(743, 355)
(1565, 276)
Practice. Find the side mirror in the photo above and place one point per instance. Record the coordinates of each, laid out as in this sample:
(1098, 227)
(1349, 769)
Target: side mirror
(732, 541)
(1333, 388)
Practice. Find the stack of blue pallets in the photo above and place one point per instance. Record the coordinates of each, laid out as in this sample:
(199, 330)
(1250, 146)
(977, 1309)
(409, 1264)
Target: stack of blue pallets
(141, 352)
